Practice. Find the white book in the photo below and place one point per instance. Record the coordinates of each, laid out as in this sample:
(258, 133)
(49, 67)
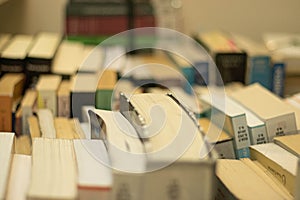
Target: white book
(46, 122)
(19, 180)
(278, 117)
(54, 173)
(94, 176)
(6, 154)
(232, 119)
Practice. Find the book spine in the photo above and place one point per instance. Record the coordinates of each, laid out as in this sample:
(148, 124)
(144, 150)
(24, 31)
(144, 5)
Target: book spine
(104, 99)
(232, 67)
(225, 149)
(34, 68)
(260, 71)
(278, 78)
(241, 136)
(5, 114)
(258, 135)
(280, 125)
(63, 106)
(26, 112)
(47, 99)
(11, 66)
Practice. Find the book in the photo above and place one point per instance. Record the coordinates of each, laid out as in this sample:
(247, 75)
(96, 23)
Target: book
(22, 145)
(95, 179)
(54, 173)
(17, 120)
(47, 87)
(259, 69)
(28, 105)
(231, 172)
(11, 87)
(6, 152)
(230, 60)
(92, 59)
(222, 144)
(230, 116)
(278, 161)
(171, 154)
(4, 40)
(19, 178)
(46, 123)
(34, 127)
(83, 93)
(67, 59)
(14, 54)
(278, 121)
(105, 88)
(40, 56)
(63, 98)
(64, 128)
(289, 142)
(278, 76)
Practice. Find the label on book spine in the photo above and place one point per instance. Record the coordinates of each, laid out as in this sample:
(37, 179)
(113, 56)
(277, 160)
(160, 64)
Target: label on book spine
(278, 78)
(241, 136)
(258, 135)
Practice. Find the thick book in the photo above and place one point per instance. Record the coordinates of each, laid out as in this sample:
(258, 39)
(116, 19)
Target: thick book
(67, 59)
(6, 155)
(11, 87)
(259, 69)
(28, 105)
(234, 121)
(278, 117)
(290, 143)
(63, 98)
(255, 185)
(230, 60)
(95, 179)
(40, 56)
(13, 56)
(222, 144)
(163, 123)
(279, 162)
(47, 87)
(54, 173)
(20, 176)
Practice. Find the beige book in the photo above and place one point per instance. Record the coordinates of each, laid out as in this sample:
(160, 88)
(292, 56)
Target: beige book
(34, 127)
(63, 98)
(54, 174)
(6, 154)
(4, 39)
(230, 174)
(279, 162)
(67, 58)
(23, 145)
(278, 117)
(46, 122)
(47, 87)
(289, 142)
(64, 129)
(75, 124)
(28, 106)
(19, 180)
(45, 45)
(92, 59)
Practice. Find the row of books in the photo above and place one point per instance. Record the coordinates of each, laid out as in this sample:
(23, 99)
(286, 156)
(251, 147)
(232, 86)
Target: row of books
(110, 161)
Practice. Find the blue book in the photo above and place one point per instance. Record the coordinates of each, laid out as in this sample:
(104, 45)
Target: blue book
(278, 78)
(260, 71)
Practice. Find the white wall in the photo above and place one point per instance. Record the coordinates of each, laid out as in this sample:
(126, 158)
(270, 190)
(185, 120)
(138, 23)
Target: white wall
(252, 17)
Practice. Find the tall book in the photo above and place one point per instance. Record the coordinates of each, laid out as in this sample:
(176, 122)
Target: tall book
(47, 87)
(6, 155)
(67, 59)
(94, 177)
(230, 60)
(13, 56)
(234, 121)
(105, 88)
(259, 69)
(54, 173)
(222, 144)
(40, 56)
(63, 98)
(28, 105)
(256, 185)
(19, 178)
(83, 93)
(11, 87)
(279, 162)
(170, 136)
(278, 121)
